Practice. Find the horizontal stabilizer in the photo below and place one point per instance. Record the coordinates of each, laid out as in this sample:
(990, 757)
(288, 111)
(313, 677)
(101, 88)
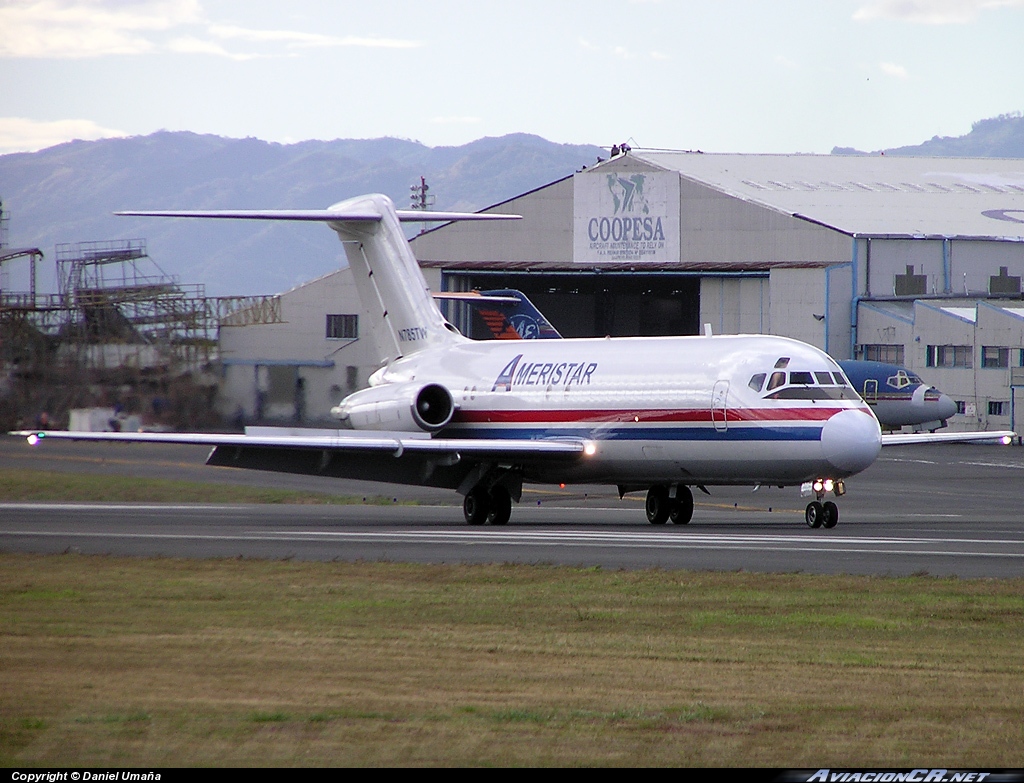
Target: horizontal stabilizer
(318, 215)
(474, 296)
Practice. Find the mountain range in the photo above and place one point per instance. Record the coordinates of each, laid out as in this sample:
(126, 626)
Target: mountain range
(996, 137)
(67, 193)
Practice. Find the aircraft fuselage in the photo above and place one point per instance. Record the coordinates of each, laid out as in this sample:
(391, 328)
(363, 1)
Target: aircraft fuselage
(658, 409)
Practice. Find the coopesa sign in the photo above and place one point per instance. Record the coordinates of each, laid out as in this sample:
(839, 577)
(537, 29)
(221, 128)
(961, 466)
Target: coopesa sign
(618, 229)
(625, 216)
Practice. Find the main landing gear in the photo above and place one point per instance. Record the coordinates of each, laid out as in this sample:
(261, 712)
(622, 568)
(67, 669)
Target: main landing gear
(826, 515)
(493, 506)
(665, 503)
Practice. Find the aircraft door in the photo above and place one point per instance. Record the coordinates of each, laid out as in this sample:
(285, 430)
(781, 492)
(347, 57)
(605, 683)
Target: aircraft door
(719, 400)
(870, 391)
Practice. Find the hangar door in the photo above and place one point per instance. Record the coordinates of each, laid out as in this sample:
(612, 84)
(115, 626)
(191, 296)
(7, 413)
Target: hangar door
(590, 305)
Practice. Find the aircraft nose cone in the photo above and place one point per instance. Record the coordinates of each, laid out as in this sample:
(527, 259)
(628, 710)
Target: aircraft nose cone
(945, 407)
(851, 440)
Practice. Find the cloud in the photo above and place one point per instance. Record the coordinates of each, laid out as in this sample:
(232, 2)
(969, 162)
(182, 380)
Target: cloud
(297, 39)
(929, 11)
(188, 44)
(95, 28)
(18, 134)
(897, 71)
(88, 28)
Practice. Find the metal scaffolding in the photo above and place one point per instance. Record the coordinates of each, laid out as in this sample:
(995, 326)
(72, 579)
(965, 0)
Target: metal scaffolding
(119, 331)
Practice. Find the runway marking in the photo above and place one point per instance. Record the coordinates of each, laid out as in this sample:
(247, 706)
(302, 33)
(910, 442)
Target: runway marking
(588, 540)
(994, 465)
(625, 536)
(126, 506)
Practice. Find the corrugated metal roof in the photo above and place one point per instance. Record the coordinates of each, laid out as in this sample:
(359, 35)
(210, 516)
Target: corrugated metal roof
(869, 195)
(646, 268)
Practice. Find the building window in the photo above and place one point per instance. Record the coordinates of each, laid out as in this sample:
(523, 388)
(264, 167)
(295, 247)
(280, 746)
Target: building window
(961, 407)
(997, 408)
(342, 327)
(890, 354)
(994, 356)
(950, 356)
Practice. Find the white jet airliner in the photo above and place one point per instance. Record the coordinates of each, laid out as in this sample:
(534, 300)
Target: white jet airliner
(654, 414)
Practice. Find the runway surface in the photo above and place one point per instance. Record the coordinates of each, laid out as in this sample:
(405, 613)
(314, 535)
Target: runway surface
(942, 510)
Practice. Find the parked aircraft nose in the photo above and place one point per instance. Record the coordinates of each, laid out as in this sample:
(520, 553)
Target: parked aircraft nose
(851, 440)
(945, 408)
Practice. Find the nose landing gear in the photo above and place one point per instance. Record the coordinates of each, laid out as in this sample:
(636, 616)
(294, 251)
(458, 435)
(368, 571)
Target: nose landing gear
(820, 514)
(825, 514)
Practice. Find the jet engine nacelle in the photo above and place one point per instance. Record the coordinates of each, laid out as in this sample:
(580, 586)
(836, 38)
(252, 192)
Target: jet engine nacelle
(404, 407)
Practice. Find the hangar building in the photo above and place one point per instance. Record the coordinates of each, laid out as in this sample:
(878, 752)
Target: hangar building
(917, 261)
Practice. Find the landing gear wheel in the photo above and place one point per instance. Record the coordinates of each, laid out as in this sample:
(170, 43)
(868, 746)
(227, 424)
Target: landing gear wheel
(830, 515)
(815, 514)
(500, 507)
(658, 505)
(682, 508)
(476, 507)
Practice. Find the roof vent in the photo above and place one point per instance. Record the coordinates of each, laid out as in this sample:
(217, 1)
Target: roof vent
(1004, 284)
(910, 284)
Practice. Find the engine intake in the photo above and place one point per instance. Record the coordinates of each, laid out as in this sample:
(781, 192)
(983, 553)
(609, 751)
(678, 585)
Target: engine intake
(405, 407)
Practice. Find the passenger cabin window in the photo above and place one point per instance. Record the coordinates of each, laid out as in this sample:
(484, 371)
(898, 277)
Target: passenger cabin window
(757, 381)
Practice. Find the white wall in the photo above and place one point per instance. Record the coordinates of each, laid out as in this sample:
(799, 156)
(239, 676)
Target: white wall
(300, 339)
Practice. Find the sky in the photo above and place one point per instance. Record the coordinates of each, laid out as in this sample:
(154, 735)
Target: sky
(758, 76)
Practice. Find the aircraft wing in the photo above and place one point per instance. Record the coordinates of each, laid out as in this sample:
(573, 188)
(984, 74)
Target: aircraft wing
(395, 443)
(913, 438)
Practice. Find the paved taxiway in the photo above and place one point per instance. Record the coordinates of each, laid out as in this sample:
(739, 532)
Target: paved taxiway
(948, 509)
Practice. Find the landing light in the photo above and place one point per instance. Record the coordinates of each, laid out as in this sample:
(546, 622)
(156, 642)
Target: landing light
(1006, 440)
(590, 449)
(33, 439)
(829, 485)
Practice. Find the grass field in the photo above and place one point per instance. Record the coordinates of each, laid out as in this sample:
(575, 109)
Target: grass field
(146, 662)
(38, 485)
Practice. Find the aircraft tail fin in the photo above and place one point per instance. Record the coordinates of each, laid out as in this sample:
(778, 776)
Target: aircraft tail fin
(394, 294)
(508, 314)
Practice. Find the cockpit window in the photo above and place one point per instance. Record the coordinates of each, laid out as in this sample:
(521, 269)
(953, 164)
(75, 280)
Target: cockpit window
(778, 379)
(803, 378)
(824, 378)
(757, 381)
(841, 379)
(813, 393)
(902, 379)
(782, 363)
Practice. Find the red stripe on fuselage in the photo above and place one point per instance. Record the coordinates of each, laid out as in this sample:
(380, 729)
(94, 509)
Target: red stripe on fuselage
(815, 413)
